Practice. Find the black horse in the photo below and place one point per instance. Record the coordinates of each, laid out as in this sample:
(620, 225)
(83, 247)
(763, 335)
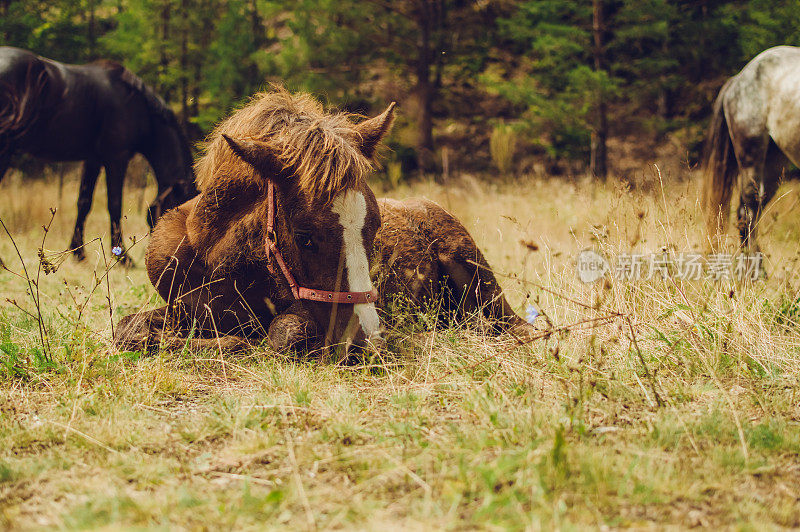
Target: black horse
(100, 113)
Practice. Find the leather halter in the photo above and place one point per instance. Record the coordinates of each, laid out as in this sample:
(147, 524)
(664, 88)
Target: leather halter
(301, 292)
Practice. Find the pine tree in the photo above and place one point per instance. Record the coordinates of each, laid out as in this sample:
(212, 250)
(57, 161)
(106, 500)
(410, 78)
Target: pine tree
(561, 82)
(336, 47)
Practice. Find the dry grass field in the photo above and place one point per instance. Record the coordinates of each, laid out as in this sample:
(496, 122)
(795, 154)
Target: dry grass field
(651, 403)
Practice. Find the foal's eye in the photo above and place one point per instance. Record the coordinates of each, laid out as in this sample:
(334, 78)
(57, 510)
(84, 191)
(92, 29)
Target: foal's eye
(305, 240)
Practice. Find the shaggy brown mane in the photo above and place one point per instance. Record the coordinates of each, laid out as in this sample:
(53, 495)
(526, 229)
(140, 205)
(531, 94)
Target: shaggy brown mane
(322, 148)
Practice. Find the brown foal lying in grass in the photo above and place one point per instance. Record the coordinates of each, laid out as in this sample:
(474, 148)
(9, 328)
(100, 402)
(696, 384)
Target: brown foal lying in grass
(280, 241)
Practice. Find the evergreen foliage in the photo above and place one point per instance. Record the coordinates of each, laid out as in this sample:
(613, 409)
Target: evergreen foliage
(534, 60)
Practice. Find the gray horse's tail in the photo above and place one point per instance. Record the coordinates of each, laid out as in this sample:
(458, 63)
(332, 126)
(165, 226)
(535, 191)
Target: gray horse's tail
(720, 170)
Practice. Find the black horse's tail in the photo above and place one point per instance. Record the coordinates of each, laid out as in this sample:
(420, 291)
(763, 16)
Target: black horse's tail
(20, 103)
(720, 170)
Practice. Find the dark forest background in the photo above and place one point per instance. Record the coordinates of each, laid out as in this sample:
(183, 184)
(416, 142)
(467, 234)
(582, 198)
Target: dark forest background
(494, 85)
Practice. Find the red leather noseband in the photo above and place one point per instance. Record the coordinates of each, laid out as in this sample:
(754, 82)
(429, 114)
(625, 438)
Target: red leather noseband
(301, 292)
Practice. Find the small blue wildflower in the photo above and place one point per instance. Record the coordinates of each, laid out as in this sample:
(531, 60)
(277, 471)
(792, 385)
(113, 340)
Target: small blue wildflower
(531, 314)
(116, 250)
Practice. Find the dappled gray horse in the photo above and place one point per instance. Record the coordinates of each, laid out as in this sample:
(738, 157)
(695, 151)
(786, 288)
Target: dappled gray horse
(754, 134)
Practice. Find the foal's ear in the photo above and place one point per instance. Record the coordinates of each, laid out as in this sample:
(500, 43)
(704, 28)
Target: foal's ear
(256, 153)
(373, 130)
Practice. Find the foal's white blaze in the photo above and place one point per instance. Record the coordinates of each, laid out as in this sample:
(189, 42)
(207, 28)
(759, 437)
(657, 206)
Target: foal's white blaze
(352, 210)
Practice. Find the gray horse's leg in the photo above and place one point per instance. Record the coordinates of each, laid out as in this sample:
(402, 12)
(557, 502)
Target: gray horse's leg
(750, 184)
(91, 169)
(774, 167)
(759, 183)
(751, 152)
(761, 194)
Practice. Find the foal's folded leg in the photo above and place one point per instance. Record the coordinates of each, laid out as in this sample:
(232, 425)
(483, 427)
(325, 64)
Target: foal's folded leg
(228, 343)
(141, 331)
(149, 331)
(294, 330)
(469, 274)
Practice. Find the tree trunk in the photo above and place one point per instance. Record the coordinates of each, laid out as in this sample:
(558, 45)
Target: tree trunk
(599, 153)
(205, 34)
(257, 28)
(184, 63)
(256, 25)
(166, 93)
(91, 30)
(425, 146)
(664, 92)
(425, 92)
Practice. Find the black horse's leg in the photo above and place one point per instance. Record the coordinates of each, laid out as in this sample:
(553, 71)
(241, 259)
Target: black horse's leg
(7, 149)
(5, 161)
(115, 177)
(3, 166)
(91, 169)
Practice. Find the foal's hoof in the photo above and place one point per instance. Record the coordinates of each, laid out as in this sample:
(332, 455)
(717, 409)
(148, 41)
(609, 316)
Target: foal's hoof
(291, 332)
(132, 333)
